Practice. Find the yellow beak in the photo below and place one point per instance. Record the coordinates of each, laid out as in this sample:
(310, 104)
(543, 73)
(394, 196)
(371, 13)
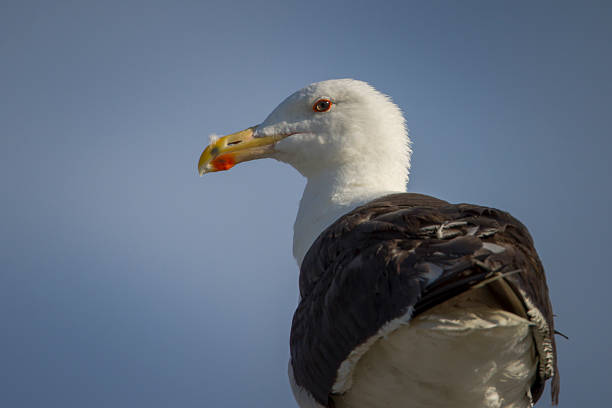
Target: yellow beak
(224, 153)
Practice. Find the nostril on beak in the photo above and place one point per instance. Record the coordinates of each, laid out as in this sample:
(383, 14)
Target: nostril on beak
(234, 143)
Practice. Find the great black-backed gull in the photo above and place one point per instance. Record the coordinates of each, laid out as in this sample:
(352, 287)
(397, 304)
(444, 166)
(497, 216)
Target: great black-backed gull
(406, 300)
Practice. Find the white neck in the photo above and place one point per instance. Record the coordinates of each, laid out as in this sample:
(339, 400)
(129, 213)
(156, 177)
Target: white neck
(329, 194)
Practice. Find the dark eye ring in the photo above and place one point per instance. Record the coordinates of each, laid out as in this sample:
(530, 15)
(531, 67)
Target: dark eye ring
(322, 105)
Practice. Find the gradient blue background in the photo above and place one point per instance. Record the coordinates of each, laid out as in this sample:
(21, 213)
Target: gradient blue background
(127, 281)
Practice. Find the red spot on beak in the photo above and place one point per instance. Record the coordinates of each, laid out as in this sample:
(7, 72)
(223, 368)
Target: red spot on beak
(223, 162)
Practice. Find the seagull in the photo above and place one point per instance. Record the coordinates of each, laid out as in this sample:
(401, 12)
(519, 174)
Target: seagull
(406, 300)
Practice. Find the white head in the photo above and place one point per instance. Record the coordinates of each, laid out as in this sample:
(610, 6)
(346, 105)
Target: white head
(347, 138)
(362, 128)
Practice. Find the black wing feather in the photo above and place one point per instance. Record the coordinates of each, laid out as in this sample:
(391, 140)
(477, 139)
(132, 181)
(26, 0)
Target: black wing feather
(405, 252)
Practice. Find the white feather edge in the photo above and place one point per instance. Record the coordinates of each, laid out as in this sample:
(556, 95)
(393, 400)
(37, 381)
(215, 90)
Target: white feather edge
(543, 339)
(344, 375)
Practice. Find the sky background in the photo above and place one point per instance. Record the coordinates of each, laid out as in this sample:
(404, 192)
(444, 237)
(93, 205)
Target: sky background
(128, 281)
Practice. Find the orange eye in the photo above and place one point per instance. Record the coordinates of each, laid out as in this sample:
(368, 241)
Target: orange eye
(322, 105)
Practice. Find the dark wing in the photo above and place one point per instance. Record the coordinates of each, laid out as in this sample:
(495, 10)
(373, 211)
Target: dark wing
(407, 253)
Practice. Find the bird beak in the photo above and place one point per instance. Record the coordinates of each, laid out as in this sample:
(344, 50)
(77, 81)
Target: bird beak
(224, 153)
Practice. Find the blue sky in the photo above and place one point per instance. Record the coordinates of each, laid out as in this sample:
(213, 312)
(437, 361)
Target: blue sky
(126, 280)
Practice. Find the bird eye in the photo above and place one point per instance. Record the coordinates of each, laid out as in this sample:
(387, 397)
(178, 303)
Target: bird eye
(322, 105)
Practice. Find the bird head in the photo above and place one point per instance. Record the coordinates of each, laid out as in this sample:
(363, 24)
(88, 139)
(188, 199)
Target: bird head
(334, 124)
